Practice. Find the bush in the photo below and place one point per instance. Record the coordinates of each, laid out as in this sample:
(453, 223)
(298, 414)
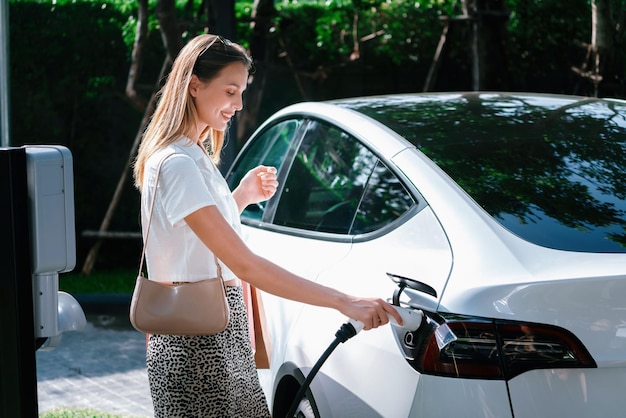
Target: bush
(77, 413)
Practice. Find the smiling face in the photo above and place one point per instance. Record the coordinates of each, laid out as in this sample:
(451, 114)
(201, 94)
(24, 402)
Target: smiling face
(218, 99)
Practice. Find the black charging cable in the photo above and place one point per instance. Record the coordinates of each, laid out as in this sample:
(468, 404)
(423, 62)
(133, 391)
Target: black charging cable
(342, 335)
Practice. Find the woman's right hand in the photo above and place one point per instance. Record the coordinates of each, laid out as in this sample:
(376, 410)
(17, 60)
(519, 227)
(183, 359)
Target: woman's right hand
(372, 312)
(218, 235)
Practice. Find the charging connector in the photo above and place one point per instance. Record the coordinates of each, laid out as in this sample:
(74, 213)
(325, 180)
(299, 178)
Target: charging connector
(411, 320)
(343, 334)
(349, 330)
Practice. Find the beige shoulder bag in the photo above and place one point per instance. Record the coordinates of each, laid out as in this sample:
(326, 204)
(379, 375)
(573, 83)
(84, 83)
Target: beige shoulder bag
(189, 308)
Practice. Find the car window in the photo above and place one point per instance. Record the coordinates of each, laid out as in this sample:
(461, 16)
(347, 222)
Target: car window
(270, 149)
(325, 182)
(384, 200)
(335, 183)
(551, 169)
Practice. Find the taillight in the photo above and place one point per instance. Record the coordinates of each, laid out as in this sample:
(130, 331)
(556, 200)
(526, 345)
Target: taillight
(480, 348)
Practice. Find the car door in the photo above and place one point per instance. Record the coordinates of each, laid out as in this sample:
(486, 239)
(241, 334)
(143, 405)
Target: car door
(392, 230)
(315, 183)
(286, 229)
(343, 218)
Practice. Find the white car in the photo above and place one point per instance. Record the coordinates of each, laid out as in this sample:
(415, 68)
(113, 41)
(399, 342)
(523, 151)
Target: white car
(509, 212)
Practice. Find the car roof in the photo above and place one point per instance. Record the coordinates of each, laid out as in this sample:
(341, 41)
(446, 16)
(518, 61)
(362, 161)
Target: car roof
(545, 166)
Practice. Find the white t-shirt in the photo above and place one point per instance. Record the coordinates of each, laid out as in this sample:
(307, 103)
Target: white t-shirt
(188, 181)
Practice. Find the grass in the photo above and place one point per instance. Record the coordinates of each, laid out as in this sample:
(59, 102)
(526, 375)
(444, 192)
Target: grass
(78, 413)
(114, 281)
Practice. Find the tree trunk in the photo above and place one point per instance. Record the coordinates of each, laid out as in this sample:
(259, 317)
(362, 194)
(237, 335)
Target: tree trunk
(602, 27)
(487, 43)
(602, 68)
(607, 60)
(136, 63)
(262, 13)
(170, 31)
(226, 26)
(261, 51)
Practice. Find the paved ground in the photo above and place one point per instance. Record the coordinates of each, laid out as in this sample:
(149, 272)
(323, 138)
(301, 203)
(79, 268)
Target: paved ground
(101, 367)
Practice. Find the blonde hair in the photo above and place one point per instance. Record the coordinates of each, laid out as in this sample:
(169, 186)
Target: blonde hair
(176, 113)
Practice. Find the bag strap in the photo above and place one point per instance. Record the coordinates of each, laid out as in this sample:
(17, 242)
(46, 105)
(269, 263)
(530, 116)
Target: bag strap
(145, 244)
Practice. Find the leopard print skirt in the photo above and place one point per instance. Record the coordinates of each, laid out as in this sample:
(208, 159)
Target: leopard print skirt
(207, 376)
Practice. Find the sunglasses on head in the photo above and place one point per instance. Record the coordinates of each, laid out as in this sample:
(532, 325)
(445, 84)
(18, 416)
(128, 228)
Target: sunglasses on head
(224, 41)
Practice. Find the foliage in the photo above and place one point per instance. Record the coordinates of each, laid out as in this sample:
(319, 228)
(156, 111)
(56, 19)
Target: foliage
(542, 40)
(69, 62)
(109, 281)
(68, 73)
(77, 413)
(65, 68)
(400, 32)
(243, 15)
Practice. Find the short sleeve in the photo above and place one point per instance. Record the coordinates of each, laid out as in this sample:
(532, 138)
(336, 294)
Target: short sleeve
(181, 188)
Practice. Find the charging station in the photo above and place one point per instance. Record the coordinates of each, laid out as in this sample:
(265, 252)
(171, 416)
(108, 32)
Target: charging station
(37, 242)
(53, 241)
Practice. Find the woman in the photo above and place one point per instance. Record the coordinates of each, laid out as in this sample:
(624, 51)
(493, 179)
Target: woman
(196, 217)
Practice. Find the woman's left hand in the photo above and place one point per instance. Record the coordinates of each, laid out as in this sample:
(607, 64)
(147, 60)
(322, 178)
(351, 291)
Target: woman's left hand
(258, 184)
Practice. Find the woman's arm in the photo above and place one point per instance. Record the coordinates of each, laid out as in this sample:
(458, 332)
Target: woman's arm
(211, 227)
(257, 185)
